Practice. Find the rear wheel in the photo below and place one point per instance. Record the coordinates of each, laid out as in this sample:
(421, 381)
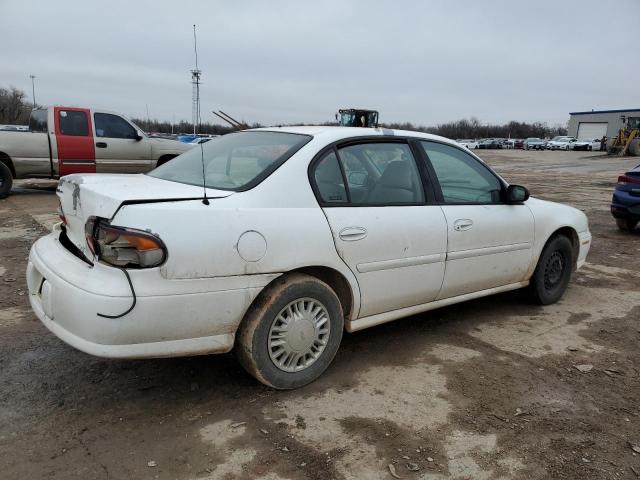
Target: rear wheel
(291, 333)
(626, 224)
(553, 272)
(6, 180)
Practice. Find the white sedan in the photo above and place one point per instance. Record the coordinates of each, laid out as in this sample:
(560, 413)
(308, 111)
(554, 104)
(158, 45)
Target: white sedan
(560, 143)
(470, 144)
(274, 241)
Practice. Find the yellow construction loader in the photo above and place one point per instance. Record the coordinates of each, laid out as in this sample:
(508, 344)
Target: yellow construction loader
(627, 142)
(357, 117)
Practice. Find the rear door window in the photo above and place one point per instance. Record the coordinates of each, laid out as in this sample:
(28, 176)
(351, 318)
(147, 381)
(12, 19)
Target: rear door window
(329, 179)
(73, 122)
(377, 174)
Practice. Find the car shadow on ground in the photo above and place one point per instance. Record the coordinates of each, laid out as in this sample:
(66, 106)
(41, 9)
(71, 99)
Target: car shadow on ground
(94, 380)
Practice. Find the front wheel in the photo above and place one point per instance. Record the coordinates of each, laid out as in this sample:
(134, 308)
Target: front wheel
(291, 333)
(626, 224)
(553, 272)
(6, 180)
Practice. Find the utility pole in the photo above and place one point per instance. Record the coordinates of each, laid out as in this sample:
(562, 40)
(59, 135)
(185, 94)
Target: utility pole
(33, 89)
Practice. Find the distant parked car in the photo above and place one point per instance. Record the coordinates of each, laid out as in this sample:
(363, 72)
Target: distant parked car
(580, 144)
(625, 205)
(534, 143)
(518, 143)
(595, 144)
(560, 143)
(490, 143)
(470, 144)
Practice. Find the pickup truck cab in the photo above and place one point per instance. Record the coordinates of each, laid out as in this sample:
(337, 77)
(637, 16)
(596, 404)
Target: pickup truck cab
(64, 140)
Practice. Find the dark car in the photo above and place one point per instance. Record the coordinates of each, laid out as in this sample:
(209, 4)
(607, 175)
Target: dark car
(625, 205)
(518, 143)
(534, 144)
(490, 143)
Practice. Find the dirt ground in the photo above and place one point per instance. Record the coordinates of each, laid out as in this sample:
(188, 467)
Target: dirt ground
(484, 390)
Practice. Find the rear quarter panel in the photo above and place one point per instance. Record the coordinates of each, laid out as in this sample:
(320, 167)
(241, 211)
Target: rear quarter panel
(275, 227)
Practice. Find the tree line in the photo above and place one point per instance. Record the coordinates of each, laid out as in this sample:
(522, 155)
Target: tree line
(14, 109)
(473, 128)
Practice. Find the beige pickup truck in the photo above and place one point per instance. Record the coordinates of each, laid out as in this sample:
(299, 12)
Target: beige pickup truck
(64, 140)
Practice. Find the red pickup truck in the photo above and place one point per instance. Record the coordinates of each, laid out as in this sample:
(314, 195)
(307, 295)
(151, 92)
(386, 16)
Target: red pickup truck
(64, 140)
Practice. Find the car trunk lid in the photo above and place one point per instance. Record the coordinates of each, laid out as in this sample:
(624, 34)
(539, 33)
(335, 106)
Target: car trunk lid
(97, 195)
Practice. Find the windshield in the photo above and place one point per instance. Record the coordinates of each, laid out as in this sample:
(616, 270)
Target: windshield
(235, 161)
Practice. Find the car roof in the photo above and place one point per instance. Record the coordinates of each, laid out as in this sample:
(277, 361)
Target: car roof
(333, 133)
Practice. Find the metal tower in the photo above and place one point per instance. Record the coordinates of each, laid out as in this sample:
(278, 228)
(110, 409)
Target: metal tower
(196, 74)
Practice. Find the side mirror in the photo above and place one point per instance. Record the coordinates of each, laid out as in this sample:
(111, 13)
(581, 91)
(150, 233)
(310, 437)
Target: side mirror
(138, 137)
(517, 194)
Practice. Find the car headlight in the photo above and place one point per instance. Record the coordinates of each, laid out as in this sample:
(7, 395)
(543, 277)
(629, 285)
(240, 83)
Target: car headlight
(124, 247)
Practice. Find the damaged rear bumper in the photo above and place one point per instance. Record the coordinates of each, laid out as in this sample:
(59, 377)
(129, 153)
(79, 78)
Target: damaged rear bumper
(171, 317)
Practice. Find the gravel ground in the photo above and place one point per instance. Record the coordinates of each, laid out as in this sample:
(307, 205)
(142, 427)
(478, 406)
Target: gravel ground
(489, 389)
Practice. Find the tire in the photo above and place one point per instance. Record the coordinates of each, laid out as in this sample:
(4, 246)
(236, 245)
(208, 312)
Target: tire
(553, 272)
(626, 224)
(271, 313)
(6, 180)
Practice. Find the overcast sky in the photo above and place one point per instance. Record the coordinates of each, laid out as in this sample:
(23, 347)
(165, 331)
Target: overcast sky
(275, 61)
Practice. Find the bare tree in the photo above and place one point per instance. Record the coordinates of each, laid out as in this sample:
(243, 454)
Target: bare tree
(13, 108)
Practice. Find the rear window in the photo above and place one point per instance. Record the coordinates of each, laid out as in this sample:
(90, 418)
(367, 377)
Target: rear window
(236, 161)
(38, 121)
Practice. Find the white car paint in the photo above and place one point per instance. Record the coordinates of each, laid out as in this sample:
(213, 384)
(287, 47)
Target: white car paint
(396, 260)
(580, 144)
(470, 144)
(560, 143)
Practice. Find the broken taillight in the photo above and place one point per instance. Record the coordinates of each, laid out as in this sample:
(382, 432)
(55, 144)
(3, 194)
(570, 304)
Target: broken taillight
(124, 247)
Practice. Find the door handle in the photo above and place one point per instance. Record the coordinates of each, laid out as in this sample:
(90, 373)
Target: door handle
(351, 234)
(101, 144)
(462, 224)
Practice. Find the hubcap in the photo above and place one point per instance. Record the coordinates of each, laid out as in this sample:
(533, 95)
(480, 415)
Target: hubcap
(299, 335)
(553, 270)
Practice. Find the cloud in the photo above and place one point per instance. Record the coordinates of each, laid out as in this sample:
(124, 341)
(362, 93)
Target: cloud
(286, 61)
